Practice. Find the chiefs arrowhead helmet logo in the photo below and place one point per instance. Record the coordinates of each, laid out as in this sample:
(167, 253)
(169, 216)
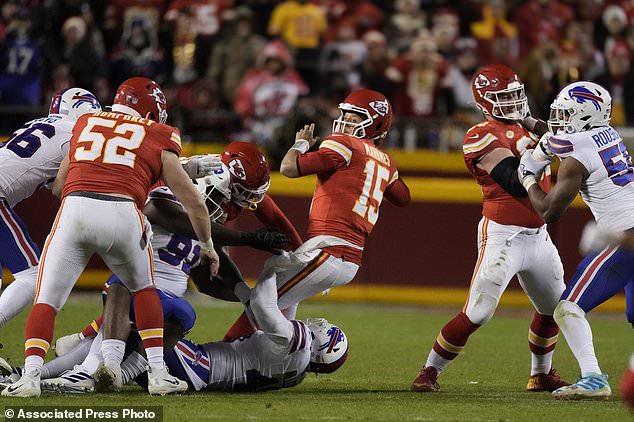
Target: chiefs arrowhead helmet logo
(381, 107)
(237, 169)
(158, 96)
(482, 81)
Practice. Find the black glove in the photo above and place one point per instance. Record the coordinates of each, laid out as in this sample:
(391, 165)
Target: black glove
(266, 239)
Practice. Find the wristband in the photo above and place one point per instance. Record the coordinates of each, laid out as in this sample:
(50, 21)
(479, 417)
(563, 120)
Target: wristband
(208, 244)
(529, 181)
(301, 145)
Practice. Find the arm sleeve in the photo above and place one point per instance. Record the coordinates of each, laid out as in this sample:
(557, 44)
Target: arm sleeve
(269, 318)
(398, 193)
(271, 215)
(505, 175)
(324, 160)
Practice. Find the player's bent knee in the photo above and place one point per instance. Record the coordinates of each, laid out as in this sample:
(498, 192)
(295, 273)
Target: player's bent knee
(483, 308)
(567, 309)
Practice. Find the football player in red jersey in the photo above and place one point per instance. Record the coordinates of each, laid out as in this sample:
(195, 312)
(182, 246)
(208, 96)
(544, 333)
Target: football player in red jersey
(512, 237)
(113, 160)
(353, 176)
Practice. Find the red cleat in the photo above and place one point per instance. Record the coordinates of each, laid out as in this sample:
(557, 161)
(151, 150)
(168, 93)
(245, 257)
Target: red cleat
(546, 382)
(425, 382)
(627, 387)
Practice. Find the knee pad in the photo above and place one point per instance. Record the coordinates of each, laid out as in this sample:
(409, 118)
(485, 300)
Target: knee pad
(567, 309)
(483, 308)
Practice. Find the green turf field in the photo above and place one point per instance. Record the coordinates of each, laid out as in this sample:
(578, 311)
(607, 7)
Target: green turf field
(387, 345)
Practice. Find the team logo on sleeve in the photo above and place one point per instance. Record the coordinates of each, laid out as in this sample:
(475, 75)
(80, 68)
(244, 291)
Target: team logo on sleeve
(381, 107)
(582, 94)
(237, 169)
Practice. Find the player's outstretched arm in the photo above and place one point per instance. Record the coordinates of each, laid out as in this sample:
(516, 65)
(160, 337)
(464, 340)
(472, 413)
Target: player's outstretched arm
(398, 193)
(169, 215)
(60, 179)
(181, 186)
(271, 215)
(502, 166)
(551, 206)
(304, 140)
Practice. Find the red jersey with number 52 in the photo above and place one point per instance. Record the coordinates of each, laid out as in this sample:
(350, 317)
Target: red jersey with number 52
(118, 153)
(352, 177)
(498, 205)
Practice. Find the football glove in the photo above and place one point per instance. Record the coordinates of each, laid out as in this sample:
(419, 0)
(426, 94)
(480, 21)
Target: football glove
(266, 239)
(198, 166)
(541, 151)
(530, 169)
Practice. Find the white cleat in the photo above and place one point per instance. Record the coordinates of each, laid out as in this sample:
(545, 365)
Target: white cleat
(27, 386)
(160, 382)
(593, 386)
(108, 378)
(77, 380)
(67, 343)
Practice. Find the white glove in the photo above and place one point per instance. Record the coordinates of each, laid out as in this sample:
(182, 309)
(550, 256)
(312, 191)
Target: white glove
(595, 238)
(530, 169)
(198, 166)
(541, 151)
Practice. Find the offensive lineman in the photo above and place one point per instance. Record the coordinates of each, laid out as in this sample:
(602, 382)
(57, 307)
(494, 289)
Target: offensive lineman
(512, 237)
(113, 160)
(595, 163)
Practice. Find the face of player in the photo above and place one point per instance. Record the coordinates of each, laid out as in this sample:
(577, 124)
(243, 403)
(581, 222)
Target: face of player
(353, 118)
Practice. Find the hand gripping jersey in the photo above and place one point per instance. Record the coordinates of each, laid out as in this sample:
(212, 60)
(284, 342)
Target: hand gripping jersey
(608, 190)
(255, 363)
(118, 153)
(30, 158)
(352, 176)
(498, 205)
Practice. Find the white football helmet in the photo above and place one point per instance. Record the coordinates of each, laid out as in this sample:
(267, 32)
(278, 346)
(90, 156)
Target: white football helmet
(74, 102)
(580, 106)
(215, 191)
(329, 348)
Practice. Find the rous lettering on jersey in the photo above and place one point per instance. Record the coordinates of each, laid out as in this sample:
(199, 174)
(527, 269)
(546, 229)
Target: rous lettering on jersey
(113, 152)
(497, 204)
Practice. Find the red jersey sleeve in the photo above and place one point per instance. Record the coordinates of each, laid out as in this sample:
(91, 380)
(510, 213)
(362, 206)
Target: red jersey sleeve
(479, 141)
(333, 153)
(271, 215)
(174, 141)
(398, 193)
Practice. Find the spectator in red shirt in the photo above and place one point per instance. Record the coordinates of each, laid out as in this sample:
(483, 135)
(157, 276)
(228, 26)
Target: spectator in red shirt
(362, 15)
(534, 17)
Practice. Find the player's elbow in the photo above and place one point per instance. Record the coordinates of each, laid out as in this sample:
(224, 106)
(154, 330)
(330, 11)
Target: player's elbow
(551, 216)
(289, 169)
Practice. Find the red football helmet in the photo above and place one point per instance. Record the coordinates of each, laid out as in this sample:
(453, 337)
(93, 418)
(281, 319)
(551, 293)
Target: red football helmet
(144, 96)
(249, 173)
(373, 107)
(499, 93)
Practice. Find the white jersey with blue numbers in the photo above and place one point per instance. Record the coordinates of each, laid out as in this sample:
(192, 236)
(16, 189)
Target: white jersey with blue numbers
(255, 363)
(174, 255)
(31, 156)
(609, 188)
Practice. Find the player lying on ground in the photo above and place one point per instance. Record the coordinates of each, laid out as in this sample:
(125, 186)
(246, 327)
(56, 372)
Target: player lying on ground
(595, 163)
(512, 237)
(113, 160)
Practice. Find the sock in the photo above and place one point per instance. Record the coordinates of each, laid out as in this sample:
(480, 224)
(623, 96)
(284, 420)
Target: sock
(92, 329)
(241, 328)
(18, 295)
(39, 334)
(33, 365)
(93, 360)
(542, 339)
(576, 329)
(133, 366)
(149, 322)
(112, 350)
(450, 341)
(290, 312)
(55, 367)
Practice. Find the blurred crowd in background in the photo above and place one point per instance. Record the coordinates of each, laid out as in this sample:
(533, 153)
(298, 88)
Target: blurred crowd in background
(257, 69)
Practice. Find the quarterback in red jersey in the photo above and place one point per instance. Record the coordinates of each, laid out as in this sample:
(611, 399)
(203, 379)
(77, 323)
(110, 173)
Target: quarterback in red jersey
(353, 176)
(512, 237)
(113, 160)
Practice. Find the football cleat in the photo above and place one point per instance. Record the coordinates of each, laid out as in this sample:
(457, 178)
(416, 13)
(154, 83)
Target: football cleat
(108, 378)
(67, 343)
(425, 382)
(160, 382)
(27, 386)
(77, 380)
(546, 382)
(593, 386)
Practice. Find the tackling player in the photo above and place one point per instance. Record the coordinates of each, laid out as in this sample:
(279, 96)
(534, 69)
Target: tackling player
(596, 164)
(512, 237)
(113, 160)
(30, 159)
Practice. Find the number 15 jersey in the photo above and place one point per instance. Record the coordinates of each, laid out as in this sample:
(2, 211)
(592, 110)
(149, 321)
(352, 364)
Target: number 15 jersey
(608, 190)
(352, 176)
(118, 153)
